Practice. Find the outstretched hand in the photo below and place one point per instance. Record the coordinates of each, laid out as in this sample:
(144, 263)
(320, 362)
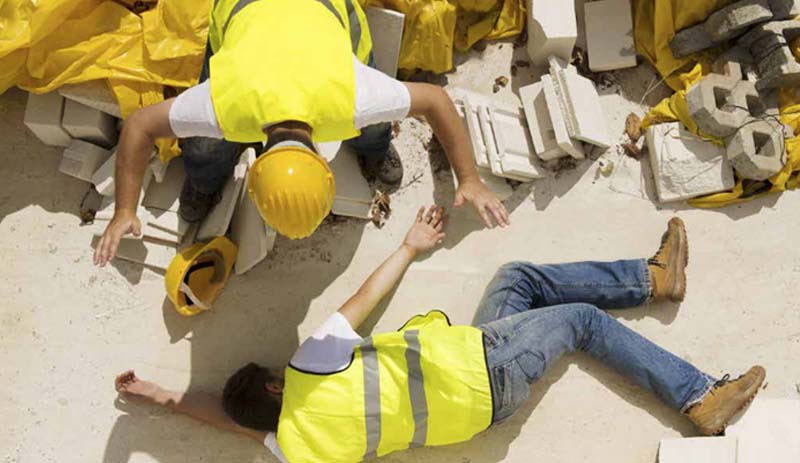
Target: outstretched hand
(484, 201)
(426, 232)
(123, 223)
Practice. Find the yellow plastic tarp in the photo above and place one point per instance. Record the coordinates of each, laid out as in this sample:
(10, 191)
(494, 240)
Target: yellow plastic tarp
(656, 22)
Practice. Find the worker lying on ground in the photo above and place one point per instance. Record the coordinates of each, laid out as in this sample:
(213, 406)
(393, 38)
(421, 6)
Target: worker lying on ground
(344, 398)
(293, 73)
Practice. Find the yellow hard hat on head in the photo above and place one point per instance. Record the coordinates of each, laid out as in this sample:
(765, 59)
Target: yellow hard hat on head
(293, 189)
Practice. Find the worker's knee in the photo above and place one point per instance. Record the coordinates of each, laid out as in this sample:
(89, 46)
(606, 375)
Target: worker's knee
(515, 271)
(202, 151)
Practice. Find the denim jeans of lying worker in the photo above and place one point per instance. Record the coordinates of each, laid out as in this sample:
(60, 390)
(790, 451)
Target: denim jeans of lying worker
(209, 162)
(532, 314)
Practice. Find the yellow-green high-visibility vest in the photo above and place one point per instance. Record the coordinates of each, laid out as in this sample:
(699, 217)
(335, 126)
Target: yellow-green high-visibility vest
(286, 60)
(424, 385)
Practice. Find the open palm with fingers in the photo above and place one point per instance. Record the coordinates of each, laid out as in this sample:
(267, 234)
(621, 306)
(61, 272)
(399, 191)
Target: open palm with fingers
(426, 232)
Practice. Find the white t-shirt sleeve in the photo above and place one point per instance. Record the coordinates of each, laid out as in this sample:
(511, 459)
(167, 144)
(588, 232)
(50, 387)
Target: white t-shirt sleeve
(271, 442)
(379, 98)
(329, 349)
(192, 113)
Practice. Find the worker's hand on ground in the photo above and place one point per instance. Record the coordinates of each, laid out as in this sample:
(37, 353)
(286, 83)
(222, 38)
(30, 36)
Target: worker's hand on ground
(129, 385)
(124, 222)
(426, 232)
(484, 201)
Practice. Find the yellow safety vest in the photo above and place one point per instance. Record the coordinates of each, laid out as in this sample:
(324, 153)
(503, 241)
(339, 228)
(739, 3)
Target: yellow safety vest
(424, 385)
(286, 60)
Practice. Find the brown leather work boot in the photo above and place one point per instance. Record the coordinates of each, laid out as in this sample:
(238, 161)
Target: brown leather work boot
(668, 265)
(725, 399)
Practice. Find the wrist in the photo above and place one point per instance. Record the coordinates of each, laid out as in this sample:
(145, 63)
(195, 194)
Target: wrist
(409, 250)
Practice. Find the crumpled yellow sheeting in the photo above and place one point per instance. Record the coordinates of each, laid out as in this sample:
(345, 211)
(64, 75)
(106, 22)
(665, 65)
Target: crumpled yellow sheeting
(433, 28)
(655, 25)
(57, 42)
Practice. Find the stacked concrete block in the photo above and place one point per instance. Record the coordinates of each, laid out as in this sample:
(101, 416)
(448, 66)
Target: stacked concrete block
(103, 178)
(219, 218)
(515, 151)
(43, 115)
(253, 238)
(94, 94)
(609, 35)
(735, 18)
(165, 195)
(785, 8)
(89, 124)
(552, 29)
(698, 450)
(718, 103)
(386, 27)
(81, 159)
(469, 113)
(768, 431)
(559, 118)
(769, 46)
(757, 150)
(691, 40)
(353, 194)
(540, 125)
(684, 166)
(168, 222)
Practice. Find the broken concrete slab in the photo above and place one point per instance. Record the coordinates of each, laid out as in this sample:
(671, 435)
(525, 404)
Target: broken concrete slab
(103, 178)
(168, 221)
(735, 18)
(698, 450)
(609, 35)
(757, 151)
(386, 27)
(540, 125)
(514, 145)
(558, 118)
(552, 29)
(489, 140)
(81, 159)
(353, 194)
(94, 94)
(253, 237)
(89, 124)
(147, 251)
(767, 431)
(219, 218)
(691, 40)
(43, 115)
(580, 104)
(469, 114)
(685, 166)
(165, 195)
(784, 9)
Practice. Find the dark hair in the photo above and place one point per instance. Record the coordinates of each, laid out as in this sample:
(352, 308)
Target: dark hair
(246, 400)
(288, 135)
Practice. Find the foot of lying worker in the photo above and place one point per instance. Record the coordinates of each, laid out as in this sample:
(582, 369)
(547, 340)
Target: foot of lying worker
(668, 266)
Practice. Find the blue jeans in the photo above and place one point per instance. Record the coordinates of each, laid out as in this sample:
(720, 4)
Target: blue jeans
(532, 314)
(209, 162)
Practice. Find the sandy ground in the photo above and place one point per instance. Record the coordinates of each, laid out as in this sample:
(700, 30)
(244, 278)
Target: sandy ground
(67, 328)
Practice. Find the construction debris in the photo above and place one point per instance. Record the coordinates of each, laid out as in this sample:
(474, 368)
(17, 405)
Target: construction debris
(539, 122)
(767, 431)
(552, 30)
(253, 238)
(219, 218)
(147, 251)
(81, 159)
(386, 27)
(381, 208)
(89, 124)
(353, 194)
(609, 34)
(94, 94)
(43, 115)
(633, 127)
(164, 195)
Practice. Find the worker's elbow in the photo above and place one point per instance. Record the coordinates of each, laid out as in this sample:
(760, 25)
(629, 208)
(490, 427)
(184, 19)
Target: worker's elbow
(428, 99)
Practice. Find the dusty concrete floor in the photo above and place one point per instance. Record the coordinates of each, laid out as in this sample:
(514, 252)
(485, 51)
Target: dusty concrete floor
(67, 328)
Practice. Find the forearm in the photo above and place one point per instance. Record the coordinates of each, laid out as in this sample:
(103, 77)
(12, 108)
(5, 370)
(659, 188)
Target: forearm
(377, 286)
(133, 156)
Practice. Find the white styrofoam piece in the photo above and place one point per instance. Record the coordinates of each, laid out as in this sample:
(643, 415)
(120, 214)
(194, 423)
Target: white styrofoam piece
(514, 145)
(89, 124)
(165, 195)
(81, 159)
(353, 194)
(219, 218)
(539, 124)
(552, 29)
(386, 28)
(253, 238)
(698, 450)
(147, 251)
(685, 166)
(489, 140)
(580, 104)
(609, 35)
(768, 431)
(43, 115)
(557, 117)
(94, 94)
(469, 114)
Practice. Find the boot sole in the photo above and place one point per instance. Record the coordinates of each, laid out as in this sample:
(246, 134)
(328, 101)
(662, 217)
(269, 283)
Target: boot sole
(719, 431)
(678, 293)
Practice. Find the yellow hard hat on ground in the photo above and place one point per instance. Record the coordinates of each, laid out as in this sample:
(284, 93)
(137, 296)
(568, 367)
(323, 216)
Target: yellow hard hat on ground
(198, 273)
(293, 189)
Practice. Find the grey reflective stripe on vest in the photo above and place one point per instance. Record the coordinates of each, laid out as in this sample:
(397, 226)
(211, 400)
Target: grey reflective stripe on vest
(236, 8)
(327, 3)
(355, 25)
(372, 398)
(416, 388)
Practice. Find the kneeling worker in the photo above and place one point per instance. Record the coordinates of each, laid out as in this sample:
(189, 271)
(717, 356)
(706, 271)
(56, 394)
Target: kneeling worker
(291, 73)
(347, 399)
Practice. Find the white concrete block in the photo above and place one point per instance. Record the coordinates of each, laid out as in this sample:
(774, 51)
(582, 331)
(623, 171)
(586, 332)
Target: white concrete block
(168, 222)
(580, 105)
(158, 168)
(686, 166)
(489, 140)
(768, 431)
(539, 123)
(353, 194)
(469, 114)
(89, 124)
(557, 117)
(609, 35)
(43, 115)
(698, 450)
(94, 94)
(147, 251)
(219, 218)
(253, 237)
(166, 195)
(514, 145)
(81, 159)
(386, 28)
(552, 29)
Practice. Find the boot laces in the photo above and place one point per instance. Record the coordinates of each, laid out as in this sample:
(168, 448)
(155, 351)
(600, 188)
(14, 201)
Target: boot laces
(655, 260)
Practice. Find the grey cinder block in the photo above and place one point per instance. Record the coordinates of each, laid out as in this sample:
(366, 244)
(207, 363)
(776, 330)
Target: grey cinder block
(735, 18)
(757, 150)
